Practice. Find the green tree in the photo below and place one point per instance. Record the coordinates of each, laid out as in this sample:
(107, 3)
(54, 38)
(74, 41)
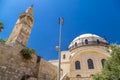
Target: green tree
(1, 26)
(26, 52)
(3, 41)
(111, 70)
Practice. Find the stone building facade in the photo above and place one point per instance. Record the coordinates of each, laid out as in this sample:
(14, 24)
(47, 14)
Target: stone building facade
(85, 56)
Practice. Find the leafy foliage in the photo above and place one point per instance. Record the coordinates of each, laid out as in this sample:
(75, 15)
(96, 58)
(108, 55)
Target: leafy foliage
(111, 70)
(26, 53)
(3, 41)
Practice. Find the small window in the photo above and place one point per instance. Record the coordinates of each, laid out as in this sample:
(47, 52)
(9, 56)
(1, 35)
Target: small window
(75, 44)
(78, 76)
(103, 62)
(98, 41)
(64, 56)
(90, 64)
(77, 65)
(86, 41)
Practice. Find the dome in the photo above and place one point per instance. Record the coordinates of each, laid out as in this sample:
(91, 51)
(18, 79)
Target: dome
(87, 39)
(86, 35)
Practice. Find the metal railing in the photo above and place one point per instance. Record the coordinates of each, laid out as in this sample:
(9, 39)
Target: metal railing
(88, 43)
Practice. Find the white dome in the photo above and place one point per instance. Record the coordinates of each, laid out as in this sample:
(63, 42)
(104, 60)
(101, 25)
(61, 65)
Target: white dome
(86, 35)
(87, 39)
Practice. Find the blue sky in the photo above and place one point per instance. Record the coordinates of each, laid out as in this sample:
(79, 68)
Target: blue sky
(101, 17)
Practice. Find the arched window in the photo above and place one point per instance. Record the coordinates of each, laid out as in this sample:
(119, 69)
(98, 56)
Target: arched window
(77, 65)
(86, 41)
(75, 44)
(98, 41)
(103, 62)
(78, 76)
(90, 64)
(64, 56)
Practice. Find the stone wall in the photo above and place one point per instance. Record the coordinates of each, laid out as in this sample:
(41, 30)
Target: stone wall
(14, 67)
(47, 71)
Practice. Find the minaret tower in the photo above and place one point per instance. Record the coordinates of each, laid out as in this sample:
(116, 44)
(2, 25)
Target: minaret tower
(22, 28)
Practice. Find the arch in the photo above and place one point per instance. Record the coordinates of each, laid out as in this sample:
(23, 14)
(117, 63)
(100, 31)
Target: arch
(98, 42)
(75, 44)
(90, 64)
(64, 56)
(103, 62)
(78, 76)
(77, 65)
(86, 41)
(91, 50)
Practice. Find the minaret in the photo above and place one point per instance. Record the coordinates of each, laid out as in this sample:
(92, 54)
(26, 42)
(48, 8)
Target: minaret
(22, 28)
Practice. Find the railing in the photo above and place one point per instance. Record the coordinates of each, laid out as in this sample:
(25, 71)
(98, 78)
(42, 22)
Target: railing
(88, 43)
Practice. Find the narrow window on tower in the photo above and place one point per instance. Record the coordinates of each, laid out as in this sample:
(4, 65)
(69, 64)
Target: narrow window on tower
(75, 44)
(64, 56)
(103, 62)
(90, 64)
(98, 41)
(86, 41)
(77, 65)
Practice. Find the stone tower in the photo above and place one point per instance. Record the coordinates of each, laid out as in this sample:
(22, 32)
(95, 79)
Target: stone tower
(22, 28)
